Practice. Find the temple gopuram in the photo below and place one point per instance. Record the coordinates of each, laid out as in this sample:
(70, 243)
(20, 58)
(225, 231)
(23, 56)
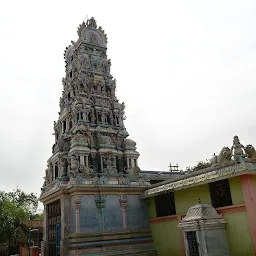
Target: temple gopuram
(93, 182)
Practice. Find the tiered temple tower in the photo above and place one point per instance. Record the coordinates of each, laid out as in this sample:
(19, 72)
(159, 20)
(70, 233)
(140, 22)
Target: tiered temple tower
(93, 183)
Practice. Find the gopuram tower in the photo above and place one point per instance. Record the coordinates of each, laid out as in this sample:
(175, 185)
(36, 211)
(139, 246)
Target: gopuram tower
(92, 187)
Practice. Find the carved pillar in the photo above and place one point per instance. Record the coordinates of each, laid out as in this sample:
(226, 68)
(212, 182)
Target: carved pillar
(67, 124)
(45, 245)
(101, 163)
(77, 202)
(100, 204)
(82, 160)
(132, 162)
(97, 119)
(86, 161)
(123, 204)
(65, 224)
(87, 116)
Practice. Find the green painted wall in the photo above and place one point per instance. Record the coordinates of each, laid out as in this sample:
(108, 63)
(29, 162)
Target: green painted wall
(238, 234)
(166, 234)
(236, 190)
(166, 237)
(189, 197)
(152, 207)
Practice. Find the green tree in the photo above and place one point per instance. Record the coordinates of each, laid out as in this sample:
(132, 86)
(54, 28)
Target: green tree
(37, 216)
(15, 207)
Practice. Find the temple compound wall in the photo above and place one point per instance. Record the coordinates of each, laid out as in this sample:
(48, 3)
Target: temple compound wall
(228, 185)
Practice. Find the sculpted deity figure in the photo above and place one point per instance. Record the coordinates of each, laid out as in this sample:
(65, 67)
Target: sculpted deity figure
(73, 168)
(49, 173)
(111, 119)
(109, 164)
(85, 60)
(238, 149)
(61, 103)
(92, 117)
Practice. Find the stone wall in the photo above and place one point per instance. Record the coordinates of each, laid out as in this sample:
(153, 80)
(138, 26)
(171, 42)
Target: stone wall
(136, 214)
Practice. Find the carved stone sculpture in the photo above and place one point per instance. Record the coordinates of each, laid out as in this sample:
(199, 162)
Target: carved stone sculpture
(109, 164)
(92, 117)
(250, 152)
(238, 149)
(84, 170)
(224, 156)
(133, 171)
(49, 173)
(61, 143)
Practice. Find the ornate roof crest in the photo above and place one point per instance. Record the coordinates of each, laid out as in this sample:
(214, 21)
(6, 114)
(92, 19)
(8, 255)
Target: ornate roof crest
(91, 24)
(89, 32)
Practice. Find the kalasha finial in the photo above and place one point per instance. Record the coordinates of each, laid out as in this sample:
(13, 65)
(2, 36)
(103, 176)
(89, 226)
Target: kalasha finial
(199, 200)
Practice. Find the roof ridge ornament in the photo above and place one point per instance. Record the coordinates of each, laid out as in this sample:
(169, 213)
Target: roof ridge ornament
(89, 32)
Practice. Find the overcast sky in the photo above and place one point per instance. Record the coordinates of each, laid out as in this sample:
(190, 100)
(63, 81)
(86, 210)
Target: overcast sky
(185, 70)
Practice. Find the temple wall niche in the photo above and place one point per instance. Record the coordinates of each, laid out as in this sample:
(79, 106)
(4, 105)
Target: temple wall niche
(113, 213)
(89, 217)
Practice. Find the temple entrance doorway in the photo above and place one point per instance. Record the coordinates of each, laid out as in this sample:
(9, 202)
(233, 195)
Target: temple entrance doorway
(54, 218)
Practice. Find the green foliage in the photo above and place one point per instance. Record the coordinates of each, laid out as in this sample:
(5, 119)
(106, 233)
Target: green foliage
(200, 166)
(15, 207)
(37, 216)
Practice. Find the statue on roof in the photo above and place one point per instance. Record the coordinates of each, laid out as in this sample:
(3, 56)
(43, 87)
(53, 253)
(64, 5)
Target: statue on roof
(238, 148)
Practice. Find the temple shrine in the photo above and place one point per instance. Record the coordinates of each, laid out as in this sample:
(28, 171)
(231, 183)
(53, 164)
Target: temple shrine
(98, 202)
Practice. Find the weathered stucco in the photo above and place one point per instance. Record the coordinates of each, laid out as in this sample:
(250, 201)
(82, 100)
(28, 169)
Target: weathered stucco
(188, 197)
(166, 238)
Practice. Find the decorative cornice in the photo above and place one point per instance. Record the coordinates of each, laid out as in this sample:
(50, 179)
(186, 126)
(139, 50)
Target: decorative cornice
(231, 209)
(163, 219)
(210, 176)
(90, 190)
(221, 210)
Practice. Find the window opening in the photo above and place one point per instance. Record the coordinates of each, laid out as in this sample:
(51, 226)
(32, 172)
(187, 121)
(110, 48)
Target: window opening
(130, 163)
(165, 205)
(64, 126)
(220, 193)
(56, 171)
(192, 243)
